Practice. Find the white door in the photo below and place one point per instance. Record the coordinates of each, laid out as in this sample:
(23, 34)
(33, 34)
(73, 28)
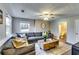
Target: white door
(77, 30)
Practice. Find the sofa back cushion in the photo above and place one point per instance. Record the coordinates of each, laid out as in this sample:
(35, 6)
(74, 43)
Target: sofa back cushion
(30, 34)
(34, 34)
(38, 34)
(22, 35)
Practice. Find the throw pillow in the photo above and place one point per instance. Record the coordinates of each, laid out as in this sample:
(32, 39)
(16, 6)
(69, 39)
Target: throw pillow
(19, 43)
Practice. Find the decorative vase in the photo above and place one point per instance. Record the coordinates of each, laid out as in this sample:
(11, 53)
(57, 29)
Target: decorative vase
(45, 38)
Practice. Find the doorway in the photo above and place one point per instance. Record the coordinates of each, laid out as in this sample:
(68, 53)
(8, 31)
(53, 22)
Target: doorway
(62, 31)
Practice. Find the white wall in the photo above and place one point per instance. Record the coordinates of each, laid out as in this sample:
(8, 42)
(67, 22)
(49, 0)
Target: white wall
(16, 24)
(38, 26)
(76, 29)
(70, 29)
(35, 25)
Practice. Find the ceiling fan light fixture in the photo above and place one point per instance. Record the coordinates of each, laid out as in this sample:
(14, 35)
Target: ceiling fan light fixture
(45, 12)
(46, 18)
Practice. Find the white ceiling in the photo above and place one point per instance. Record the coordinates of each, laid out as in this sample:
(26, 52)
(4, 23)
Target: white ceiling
(31, 9)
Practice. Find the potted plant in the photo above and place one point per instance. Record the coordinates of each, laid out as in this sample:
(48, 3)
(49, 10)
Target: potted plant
(45, 36)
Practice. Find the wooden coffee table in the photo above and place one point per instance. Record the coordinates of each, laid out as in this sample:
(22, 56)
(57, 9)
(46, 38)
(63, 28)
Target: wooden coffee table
(49, 44)
(62, 49)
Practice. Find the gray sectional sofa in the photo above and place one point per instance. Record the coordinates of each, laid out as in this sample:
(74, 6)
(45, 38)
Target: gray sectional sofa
(8, 48)
(32, 37)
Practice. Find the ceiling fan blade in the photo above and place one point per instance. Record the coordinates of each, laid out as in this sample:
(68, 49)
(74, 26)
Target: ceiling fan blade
(39, 15)
(52, 17)
(51, 14)
(62, 14)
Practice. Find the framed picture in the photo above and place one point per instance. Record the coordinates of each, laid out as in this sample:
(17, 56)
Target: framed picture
(24, 27)
(43, 25)
(1, 17)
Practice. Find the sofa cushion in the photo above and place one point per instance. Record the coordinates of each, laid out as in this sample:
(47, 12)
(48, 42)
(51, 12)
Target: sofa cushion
(30, 34)
(19, 42)
(35, 38)
(26, 49)
(10, 51)
(38, 34)
(20, 51)
(22, 35)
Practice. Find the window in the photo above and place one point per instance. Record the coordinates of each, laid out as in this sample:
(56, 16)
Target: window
(24, 27)
(8, 26)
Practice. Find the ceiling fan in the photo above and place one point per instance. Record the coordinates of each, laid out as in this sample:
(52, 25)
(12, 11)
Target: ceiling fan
(46, 15)
(49, 15)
